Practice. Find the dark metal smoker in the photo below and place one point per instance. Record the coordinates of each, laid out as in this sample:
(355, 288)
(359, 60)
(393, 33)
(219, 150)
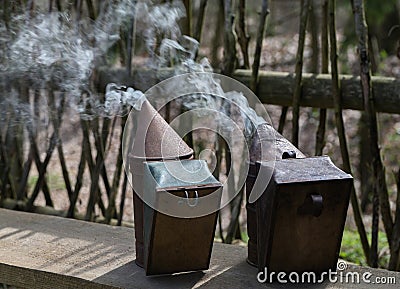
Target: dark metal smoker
(297, 223)
(154, 140)
(179, 229)
(176, 198)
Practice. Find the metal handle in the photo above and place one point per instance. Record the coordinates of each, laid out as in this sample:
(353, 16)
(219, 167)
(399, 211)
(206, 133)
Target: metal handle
(196, 199)
(289, 155)
(313, 205)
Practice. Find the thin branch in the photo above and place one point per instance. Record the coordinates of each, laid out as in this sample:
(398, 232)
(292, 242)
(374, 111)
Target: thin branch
(8, 157)
(57, 123)
(187, 22)
(216, 41)
(21, 193)
(78, 183)
(220, 229)
(381, 197)
(259, 43)
(39, 165)
(58, 4)
(320, 142)
(314, 27)
(53, 143)
(235, 213)
(116, 179)
(4, 176)
(340, 126)
(243, 37)
(305, 8)
(95, 170)
(394, 261)
(91, 10)
(229, 40)
(6, 14)
(200, 20)
(122, 204)
(282, 119)
(78, 8)
(131, 44)
(100, 146)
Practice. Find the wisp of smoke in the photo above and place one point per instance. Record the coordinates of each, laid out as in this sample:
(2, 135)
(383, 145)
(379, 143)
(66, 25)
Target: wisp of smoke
(54, 51)
(51, 54)
(119, 99)
(158, 21)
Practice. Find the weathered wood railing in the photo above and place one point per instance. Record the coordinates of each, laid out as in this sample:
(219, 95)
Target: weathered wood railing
(277, 88)
(40, 251)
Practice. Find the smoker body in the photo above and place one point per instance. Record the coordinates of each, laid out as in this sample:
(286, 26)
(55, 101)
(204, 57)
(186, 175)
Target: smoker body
(301, 216)
(297, 223)
(174, 243)
(260, 150)
(153, 140)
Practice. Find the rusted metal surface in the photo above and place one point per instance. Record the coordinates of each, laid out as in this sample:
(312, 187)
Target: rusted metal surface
(301, 216)
(297, 223)
(175, 243)
(154, 140)
(260, 150)
(261, 143)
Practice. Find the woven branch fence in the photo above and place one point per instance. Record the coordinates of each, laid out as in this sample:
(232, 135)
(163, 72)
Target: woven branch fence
(38, 121)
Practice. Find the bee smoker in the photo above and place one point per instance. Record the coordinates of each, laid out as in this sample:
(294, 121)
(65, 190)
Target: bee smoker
(179, 225)
(154, 140)
(297, 224)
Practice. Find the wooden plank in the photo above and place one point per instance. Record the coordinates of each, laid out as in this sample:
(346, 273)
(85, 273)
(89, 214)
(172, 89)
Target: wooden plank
(277, 87)
(38, 251)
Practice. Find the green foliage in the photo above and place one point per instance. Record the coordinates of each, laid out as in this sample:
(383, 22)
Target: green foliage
(377, 10)
(245, 237)
(32, 181)
(55, 182)
(351, 249)
(382, 19)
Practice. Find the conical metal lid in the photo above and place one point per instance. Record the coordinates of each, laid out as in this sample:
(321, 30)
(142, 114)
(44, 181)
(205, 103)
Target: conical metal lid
(267, 144)
(155, 139)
